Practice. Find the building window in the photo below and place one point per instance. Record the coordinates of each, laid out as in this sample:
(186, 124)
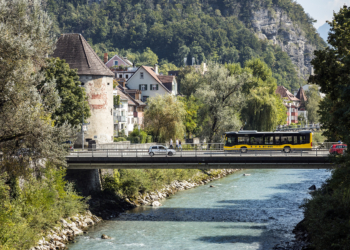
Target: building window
(141, 75)
(115, 63)
(154, 86)
(142, 87)
(126, 76)
(131, 109)
(120, 76)
(144, 98)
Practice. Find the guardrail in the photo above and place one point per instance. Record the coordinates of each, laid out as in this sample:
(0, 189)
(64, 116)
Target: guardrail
(200, 153)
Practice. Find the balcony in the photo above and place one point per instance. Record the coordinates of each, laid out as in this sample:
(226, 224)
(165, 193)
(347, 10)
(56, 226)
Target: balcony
(121, 118)
(118, 106)
(118, 119)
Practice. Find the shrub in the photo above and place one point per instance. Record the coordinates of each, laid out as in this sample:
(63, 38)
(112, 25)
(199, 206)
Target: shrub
(118, 139)
(149, 139)
(37, 208)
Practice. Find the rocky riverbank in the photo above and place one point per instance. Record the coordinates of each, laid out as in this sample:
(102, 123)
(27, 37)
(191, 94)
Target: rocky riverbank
(68, 229)
(109, 206)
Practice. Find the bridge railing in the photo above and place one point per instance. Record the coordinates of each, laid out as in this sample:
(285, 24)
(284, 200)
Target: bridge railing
(315, 152)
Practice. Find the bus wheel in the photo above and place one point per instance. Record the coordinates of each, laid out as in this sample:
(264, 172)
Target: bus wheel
(287, 150)
(244, 150)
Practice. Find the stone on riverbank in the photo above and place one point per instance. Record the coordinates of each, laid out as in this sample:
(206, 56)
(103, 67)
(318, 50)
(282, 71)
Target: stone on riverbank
(156, 204)
(105, 237)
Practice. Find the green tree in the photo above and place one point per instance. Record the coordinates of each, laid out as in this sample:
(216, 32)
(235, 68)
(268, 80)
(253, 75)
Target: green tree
(25, 109)
(221, 96)
(263, 109)
(164, 117)
(191, 105)
(312, 104)
(70, 91)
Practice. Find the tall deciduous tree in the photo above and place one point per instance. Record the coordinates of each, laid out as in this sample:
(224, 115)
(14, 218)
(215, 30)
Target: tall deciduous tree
(312, 104)
(263, 109)
(25, 109)
(71, 93)
(221, 95)
(164, 117)
(191, 105)
(332, 67)
(73, 97)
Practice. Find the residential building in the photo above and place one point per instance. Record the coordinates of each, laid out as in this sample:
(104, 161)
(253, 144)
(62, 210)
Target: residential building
(97, 80)
(291, 102)
(116, 61)
(150, 83)
(120, 113)
(135, 107)
(120, 66)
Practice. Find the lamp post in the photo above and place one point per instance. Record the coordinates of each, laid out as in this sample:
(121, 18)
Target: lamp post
(82, 125)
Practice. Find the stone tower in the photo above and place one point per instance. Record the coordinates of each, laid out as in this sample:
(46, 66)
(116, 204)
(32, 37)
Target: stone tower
(97, 80)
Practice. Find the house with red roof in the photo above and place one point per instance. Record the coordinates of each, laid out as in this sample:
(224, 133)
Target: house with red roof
(150, 83)
(291, 102)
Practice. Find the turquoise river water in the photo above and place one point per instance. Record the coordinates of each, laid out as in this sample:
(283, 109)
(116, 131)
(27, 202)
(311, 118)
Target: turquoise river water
(241, 212)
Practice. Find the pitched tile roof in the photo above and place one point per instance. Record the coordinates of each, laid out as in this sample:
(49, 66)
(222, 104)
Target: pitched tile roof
(131, 100)
(167, 81)
(301, 95)
(283, 92)
(79, 55)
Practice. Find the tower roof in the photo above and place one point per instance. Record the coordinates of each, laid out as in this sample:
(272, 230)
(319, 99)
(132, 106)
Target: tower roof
(79, 55)
(301, 95)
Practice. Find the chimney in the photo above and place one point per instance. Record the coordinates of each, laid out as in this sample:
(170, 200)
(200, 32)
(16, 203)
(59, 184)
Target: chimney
(105, 58)
(137, 95)
(156, 69)
(123, 82)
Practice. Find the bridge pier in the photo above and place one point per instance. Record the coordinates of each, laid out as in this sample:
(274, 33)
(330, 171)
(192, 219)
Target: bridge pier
(87, 181)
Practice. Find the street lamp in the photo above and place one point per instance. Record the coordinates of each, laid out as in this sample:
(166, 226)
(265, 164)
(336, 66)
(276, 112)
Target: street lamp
(82, 124)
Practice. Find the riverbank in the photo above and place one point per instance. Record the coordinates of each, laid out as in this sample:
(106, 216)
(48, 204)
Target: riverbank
(109, 205)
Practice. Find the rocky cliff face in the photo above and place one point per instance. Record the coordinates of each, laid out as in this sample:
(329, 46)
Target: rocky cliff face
(278, 28)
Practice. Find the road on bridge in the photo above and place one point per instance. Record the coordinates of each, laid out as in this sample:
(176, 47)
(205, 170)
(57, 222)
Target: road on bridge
(132, 159)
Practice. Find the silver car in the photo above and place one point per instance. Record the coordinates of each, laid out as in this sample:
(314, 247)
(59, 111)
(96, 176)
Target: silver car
(162, 150)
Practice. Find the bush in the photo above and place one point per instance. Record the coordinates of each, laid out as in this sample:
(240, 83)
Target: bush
(149, 139)
(118, 139)
(36, 208)
(327, 214)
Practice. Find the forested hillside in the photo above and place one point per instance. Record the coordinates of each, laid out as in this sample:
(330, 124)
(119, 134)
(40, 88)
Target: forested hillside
(217, 30)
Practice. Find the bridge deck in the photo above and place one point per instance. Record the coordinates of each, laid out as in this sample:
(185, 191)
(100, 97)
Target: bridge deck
(199, 160)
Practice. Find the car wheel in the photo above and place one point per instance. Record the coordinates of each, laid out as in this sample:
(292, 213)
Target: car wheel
(151, 154)
(170, 153)
(287, 150)
(244, 150)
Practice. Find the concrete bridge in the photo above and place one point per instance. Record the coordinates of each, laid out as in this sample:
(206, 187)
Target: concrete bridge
(133, 159)
(86, 167)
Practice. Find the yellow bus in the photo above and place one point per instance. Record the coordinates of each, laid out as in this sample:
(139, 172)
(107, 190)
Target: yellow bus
(245, 140)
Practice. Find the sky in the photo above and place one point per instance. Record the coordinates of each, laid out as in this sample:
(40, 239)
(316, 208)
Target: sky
(322, 10)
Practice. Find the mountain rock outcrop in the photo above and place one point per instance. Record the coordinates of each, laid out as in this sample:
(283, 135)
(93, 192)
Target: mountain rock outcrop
(278, 28)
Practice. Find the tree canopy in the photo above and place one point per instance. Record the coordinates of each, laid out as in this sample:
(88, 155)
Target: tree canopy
(215, 30)
(332, 67)
(71, 93)
(25, 109)
(164, 117)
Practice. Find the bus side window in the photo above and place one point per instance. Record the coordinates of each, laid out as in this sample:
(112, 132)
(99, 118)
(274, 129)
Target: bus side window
(295, 139)
(243, 140)
(277, 139)
(268, 140)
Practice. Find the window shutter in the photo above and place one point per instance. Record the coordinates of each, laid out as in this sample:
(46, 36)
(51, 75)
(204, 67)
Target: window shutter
(139, 86)
(145, 86)
(157, 86)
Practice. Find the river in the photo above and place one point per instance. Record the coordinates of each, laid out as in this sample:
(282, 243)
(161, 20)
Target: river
(240, 212)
